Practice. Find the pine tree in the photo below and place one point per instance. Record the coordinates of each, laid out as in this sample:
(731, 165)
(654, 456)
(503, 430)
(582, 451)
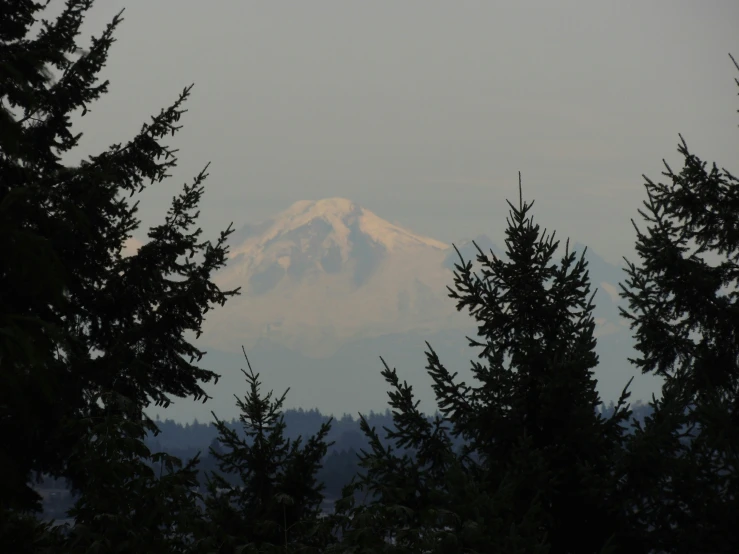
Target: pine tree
(419, 496)
(536, 337)
(76, 318)
(537, 453)
(132, 500)
(276, 506)
(683, 305)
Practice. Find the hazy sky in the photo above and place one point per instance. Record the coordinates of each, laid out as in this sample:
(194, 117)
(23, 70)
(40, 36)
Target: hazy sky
(424, 111)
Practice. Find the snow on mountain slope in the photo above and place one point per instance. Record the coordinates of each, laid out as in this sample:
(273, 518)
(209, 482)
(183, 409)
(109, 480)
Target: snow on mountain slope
(325, 272)
(321, 236)
(343, 218)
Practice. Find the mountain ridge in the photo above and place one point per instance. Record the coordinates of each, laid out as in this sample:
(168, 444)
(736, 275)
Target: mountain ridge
(319, 330)
(324, 272)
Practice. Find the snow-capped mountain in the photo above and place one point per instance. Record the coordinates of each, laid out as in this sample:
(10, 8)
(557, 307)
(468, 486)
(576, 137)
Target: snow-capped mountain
(328, 286)
(325, 272)
(315, 238)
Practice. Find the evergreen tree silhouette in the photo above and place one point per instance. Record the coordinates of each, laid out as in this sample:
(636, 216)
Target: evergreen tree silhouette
(538, 457)
(682, 468)
(275, 506)
(132, 500)
(77, 319)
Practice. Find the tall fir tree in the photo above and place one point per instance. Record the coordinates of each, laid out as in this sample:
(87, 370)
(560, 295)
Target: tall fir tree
(418, 497)
(683, 300)
(77, 319)
(132, 500)
(276, 505)
(535, 443)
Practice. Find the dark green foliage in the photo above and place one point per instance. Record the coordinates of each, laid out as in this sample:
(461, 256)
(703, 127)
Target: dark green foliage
(24, 533)
(536, 337)
(276, 505)
(428, 501)
(132, 500)
(538, 461)
(683, 304)
(76, 318)
(520, 462)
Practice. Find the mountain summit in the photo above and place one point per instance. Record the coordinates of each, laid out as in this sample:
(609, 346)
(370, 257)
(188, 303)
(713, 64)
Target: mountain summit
(315, 237)
(344, 220)
(324, 273)
(327, 270)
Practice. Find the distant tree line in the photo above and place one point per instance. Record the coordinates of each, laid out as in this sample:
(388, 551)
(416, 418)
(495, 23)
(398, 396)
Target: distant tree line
(345, 432)
(522, 459)
(338, 467)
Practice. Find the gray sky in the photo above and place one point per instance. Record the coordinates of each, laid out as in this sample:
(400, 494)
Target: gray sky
(424, 111)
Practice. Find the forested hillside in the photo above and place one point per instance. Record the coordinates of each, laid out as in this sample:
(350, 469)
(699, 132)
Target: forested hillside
(521, 458)
(339, 466)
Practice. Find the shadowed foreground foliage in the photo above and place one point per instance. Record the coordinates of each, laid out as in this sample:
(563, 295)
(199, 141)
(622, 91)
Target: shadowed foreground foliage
(520, 461)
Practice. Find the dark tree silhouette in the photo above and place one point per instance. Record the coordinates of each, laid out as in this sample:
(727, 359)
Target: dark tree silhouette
(277, 501)
(683, 466)
(538, 453)
(77, 319)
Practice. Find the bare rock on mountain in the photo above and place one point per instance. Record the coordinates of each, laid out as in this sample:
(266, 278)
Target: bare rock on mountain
(322, 272)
